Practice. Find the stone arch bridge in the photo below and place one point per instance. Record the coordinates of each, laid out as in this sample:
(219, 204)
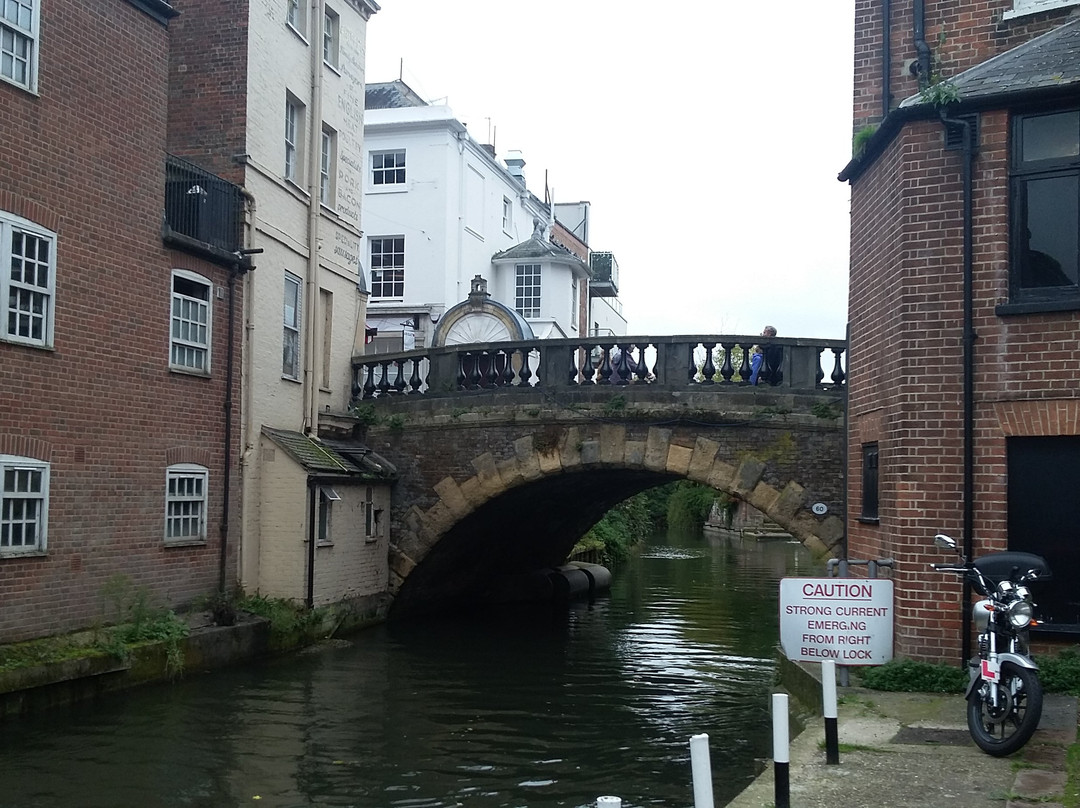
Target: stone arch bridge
(508, 453)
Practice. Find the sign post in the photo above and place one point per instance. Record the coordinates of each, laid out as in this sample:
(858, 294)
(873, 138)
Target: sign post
(847, 620)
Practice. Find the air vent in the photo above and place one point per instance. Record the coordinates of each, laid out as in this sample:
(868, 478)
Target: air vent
(954, 133)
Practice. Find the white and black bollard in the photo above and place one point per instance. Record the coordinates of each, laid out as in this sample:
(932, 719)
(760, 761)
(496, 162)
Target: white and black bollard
(781, 751)
(828, 700)
(609, 802)
(702, 771)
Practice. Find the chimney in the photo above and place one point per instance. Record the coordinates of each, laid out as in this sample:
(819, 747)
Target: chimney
(489, 148)
(515, 164)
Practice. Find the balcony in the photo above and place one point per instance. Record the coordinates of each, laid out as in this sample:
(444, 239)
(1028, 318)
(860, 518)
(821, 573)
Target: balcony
(204, 214)
(605, 275)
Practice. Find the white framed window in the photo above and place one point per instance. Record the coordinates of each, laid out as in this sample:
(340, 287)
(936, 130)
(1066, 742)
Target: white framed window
(290, 341)
(508, 215)
(575, 305)
(27, 280)
(190, 327)
(186, 492)
(1023, 7)
(24, 506)
(372, 516)
(388, 168)
(527, 290)
(296, 18)
(331, 30)
(19, 33)
(387, 266)
(294, 139)
(327, 161)
(327, 497)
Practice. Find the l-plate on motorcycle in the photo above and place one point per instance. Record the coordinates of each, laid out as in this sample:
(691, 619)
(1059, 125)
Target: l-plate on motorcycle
(1004, 696)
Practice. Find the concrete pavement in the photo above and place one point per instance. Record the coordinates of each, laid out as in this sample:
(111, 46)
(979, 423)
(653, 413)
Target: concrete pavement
(912, 750)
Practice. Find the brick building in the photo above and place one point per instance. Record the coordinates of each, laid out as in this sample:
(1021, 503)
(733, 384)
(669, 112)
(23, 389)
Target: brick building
(964, 300)
(116, 364)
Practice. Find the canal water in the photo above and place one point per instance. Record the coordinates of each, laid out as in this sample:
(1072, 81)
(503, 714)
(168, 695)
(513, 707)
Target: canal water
(508, 708)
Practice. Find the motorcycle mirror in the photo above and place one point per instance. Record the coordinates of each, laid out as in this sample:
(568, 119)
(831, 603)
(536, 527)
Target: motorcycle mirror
(944, 542)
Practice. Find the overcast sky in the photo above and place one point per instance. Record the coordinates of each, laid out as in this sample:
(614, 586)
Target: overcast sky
(706, 135)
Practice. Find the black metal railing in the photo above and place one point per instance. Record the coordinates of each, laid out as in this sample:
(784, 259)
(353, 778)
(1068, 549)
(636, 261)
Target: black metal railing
(709, 362)
(201, 209)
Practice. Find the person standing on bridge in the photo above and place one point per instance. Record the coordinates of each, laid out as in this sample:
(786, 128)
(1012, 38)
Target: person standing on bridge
(772, 359)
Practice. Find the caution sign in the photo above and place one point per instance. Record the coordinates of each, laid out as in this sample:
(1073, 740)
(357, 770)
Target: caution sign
(848, 620)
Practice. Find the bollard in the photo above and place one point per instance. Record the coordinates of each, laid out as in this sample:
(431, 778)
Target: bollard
(781, 753)
(828, 699)
(702, 771)
(609, 802)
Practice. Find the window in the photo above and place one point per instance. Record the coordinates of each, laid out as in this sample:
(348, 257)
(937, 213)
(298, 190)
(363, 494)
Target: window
(24, 505)
(1043, 510)
(27, 280)
(296, 18)
(327, 158)
(189, 339)
(330, 39)
(1022, 7)
(185, 503)
(290, 341)
(372, 516)
(388, 266)
(294, 139)
(1046, 208)
(388, 168)
(869, 482)
(575, 305)
(527, 290)
(327, 496)
(508, 214)
(19, 42)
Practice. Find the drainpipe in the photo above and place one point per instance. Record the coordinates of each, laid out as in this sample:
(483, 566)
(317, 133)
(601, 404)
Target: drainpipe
(246, 365)
(313, 509)
(921, 48)
(313, 349)
(886, 57)
(969, 375)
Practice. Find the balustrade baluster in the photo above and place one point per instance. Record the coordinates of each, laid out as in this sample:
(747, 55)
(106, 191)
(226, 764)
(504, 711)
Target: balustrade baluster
(506, 378)
(491, 373)
(708, 370)
(693, 369)
(744, 368)
(820, 373)
(460, 378)
(384, 380)
(640, 370)
(399, 379)
(727, 370)
(838, 369)
(474, 377)
(605, 370)
(587, 370)
(369, 381)
(414, 380)
(526, 372)
(622, 366)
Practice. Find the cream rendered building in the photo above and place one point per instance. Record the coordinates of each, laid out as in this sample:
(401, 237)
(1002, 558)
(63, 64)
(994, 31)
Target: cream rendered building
(305, 302)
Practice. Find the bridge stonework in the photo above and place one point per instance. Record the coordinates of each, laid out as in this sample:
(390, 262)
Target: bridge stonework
(499, 484)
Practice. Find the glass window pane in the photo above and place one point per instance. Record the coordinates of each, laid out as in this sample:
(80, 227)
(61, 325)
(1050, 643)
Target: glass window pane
(1053, 136)
(1048, 252)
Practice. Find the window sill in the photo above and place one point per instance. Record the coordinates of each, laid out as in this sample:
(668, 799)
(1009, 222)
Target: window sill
(397, 188)
(1056, 629)
(200, 374)
(35, 345)
(1037, 306)
(371, 540)
(297, 31)
(292, 379)
(333, 68)
(323, 543)
(868, 520)
(8, 555)
(1013, 14)
(185, 543)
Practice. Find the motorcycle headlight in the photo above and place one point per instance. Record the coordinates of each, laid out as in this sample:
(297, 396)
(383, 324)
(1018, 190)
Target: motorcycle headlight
(1020, 613)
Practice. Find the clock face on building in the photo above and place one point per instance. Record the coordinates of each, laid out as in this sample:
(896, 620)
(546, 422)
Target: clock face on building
(476, 327)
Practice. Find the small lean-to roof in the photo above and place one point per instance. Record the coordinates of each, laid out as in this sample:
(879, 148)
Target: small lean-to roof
(337, 458)
(537, 248)
(1049, 61)
(391, 95)
(1046, 67)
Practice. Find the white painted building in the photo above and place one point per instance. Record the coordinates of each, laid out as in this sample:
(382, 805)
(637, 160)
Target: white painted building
(440, 209)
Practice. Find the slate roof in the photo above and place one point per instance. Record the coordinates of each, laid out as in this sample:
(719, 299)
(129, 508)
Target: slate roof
(391, 95)
(1051, 60)
(332, 457)
(537, 248)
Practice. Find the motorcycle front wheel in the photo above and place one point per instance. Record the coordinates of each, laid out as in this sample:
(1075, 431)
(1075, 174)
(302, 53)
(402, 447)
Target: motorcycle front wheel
(1003, 729)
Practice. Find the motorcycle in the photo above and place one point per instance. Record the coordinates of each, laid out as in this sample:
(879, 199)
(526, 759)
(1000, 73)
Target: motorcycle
(1004, 695)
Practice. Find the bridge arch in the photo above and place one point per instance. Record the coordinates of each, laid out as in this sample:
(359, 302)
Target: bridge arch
(531, 496)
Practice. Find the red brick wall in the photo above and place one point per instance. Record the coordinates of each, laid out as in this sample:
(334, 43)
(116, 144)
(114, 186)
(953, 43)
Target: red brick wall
(959, 34)
(208, 84)
(85, 157)
(906, 362)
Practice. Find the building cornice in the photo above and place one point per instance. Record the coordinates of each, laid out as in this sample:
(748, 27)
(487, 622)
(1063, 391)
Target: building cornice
(160, 10)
